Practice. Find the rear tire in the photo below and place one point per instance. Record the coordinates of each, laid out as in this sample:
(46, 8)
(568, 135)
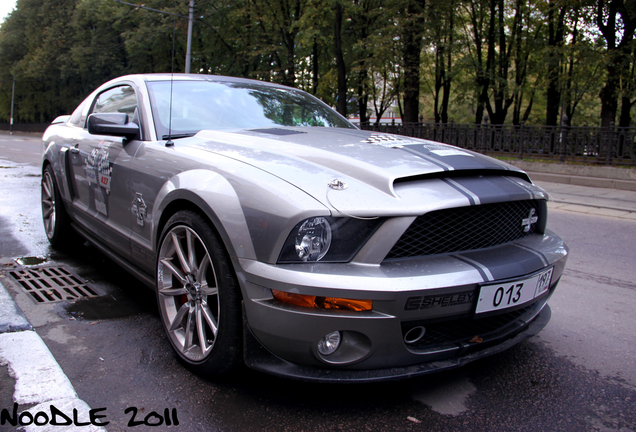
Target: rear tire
(57, 223)
(198, 295)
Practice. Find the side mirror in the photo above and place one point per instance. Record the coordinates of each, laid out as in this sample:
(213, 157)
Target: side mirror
(114, 124)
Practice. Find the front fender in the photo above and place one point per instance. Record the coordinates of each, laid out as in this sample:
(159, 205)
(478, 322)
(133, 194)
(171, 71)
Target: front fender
(215, 196)
(252, 210)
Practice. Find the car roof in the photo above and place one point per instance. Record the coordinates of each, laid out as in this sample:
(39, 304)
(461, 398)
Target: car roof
(152, 77)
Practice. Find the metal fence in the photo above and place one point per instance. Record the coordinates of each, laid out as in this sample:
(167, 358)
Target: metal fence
(25, 127)
(606, 146)
(594, 145)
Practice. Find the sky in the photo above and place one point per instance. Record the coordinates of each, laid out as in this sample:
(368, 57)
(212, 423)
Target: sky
(6, 6)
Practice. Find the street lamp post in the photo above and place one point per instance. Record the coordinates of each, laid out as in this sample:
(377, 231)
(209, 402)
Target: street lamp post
(189, 43)
(11, 115)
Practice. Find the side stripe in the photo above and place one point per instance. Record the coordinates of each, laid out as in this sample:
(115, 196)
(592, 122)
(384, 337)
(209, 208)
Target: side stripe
(483, 270)
(521, 184)
(543, 258)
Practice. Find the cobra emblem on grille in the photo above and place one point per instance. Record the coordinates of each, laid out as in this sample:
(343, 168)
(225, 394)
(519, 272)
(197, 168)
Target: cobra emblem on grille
(526, 223)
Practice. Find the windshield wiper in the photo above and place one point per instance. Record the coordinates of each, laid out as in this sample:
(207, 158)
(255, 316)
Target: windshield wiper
(177, 136)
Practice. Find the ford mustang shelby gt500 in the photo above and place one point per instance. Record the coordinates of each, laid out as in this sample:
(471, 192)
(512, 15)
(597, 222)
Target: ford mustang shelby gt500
(277, 234)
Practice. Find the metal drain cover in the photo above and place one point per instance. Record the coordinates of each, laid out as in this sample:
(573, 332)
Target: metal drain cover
(52, 284)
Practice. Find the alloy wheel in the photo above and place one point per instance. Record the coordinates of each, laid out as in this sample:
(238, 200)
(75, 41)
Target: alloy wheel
(188, 293)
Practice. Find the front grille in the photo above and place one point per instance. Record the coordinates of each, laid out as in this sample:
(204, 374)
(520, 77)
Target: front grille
(467, 228)
(461, 331)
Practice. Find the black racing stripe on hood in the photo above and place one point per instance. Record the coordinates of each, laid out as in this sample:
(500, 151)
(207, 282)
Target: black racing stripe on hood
(453, 157)
(435, 161)
(481, 186)
(491, 189)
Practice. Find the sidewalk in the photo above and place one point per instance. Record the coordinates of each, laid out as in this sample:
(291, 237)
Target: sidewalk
(39, 384)
(600, 190)
(591, 200)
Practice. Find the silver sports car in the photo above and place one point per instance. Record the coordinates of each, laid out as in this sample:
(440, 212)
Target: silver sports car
(278, 235)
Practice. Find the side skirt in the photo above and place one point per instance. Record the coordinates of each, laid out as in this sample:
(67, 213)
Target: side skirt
(144, 277)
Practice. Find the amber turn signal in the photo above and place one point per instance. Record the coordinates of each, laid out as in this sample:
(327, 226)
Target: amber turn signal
(323, 302)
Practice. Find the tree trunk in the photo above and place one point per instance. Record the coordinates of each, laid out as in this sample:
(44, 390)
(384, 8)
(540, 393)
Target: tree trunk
(556, 30)
(363, 94)
(617, 54)
(609, 96)
(412, 36)
(315, 68)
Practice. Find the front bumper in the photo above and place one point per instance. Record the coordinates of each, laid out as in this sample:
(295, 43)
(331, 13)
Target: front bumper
(259, 358)
(282, 339)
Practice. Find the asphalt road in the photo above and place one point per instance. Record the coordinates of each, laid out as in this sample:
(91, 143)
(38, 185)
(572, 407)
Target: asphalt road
(578, 374)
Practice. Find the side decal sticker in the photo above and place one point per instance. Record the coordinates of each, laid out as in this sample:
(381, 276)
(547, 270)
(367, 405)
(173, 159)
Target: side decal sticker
(98, 168)
(139, 209)
(445, 150)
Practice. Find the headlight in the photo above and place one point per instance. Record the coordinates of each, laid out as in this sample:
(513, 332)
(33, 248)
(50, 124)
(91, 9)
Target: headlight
(327, 239)
(313, 239)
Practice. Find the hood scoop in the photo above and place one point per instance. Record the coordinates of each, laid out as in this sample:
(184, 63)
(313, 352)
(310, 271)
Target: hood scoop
(478, 173)
(277, 131)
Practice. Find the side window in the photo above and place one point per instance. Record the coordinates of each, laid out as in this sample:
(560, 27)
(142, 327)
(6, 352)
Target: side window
(120, 99)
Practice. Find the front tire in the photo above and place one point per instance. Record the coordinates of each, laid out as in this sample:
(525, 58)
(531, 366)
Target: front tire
(198, 295)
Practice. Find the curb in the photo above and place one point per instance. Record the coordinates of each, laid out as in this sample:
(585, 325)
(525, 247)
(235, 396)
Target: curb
(12, 319)
(39, 380)
(597, 182)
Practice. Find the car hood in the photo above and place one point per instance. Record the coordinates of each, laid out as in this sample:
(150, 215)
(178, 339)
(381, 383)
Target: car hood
(368, 163)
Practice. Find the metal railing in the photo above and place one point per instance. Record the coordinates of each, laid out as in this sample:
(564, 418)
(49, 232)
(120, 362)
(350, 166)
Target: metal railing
(606, 146)
(24, 127)
(593, 145)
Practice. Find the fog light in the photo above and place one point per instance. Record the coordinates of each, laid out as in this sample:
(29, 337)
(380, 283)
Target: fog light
(329, 343)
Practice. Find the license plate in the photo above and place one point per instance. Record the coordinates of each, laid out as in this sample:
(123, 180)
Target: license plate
(505, 295)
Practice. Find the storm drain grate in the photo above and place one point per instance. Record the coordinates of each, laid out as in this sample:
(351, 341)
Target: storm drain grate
(52, 284)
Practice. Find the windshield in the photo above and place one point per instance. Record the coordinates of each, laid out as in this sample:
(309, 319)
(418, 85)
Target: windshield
(199, 105)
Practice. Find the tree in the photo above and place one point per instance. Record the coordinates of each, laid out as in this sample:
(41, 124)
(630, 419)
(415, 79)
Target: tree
(411, 20)
(36, 52)
(556, 13)
(441, 37)
(629, 91)
(616, 21)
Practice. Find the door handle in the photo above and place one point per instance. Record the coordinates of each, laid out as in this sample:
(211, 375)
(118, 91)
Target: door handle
(74, 149)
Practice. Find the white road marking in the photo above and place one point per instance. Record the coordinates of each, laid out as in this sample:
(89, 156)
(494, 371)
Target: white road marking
(39, 379)
(38, 376)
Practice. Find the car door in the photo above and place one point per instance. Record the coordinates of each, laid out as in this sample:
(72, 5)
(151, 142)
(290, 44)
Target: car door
(100, 171)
